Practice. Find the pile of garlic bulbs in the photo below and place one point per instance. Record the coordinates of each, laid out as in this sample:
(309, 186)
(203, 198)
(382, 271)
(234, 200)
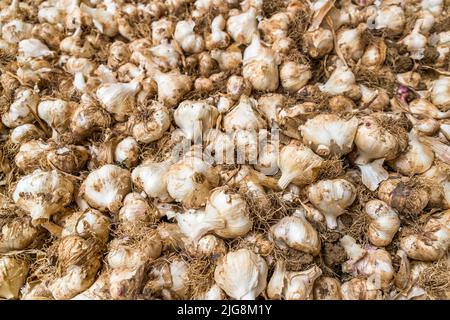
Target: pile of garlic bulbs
(225, 149)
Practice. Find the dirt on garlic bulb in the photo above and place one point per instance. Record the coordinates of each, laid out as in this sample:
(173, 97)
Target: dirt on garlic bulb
(224, 149)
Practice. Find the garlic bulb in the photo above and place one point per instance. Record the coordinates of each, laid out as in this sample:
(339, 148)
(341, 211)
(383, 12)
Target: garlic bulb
(415, 42)
(297, 233)
(403, 196)
(243, 116)
(16, 30)
(125, 283)
(34, 48)
(172, 86)
(150, 123)
(329, 135)
(13, 273)
(432, 243)
(105, 187)
(190, 180)
(213, 293)
(260, 66)
(119, 53)
(292, 285)
(186, 37)
(86, 224)
(440, 93)
(103, 19)
(374, 55)
(25, 133)
(326, 288)
(298, 164)
(440, 192)
(194, 118)
(423, 107)
(127, 151)
(294, 76)
(56, 113)
(267, 159)
(331, 198)
(161, 29)
(417, 159)
(118, 98)
(17, 234)
(78, 262)
(43, 193)
(194, 224)
(30, 155)
(319, 42)
(166, 55)
(384, 225)
(75, 46)
(238, 86)
(340, 81)
(350, 42)
(242, 27)
(241, 274)
(361, 289)
(152, 179)
(135, 211)
(391, 18)
(370, 262)
(217, 38)
(69, 159)
(22, 109)
(229, 59)
(207, 246)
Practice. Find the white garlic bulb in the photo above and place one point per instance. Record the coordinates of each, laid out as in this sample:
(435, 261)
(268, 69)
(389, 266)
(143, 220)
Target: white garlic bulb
(319, 42)
(25, 133)
(16, 30)
(351, 43)
(241, 274)
(362, 289)
(21, 110)
(243, 26)
(105, 188)
(186, 37)
(294, 76)
(440, 92)
(127, 152)
(260, 66)
(297, 233)
(385, 222)
(340, 81)
(152, 179)
(331, 198)
(43, 194)
(56, 113)
(135, 211)
(190, 180)
(30, 155)
(298, 164)
(327, 134)
(229, 59)
(391, 18)
(172, 86)
(150, 123)
(34, 48)
(217, 38)
(194, 118)
(244, 116)
(86, 224)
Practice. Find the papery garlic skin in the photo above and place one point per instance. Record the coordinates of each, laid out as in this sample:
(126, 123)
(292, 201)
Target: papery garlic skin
(21, 110)
(195, 117)
(329, 135)
(384, 225)
(207, 246)
(190, 180)
(86, 224)
(17, 234)
(260, 66)
(297, 233)
(331, 198)
(13, 272)
(152, 178)
(105, 188)
(298, 164)
(25, 133)
(432, 243)
(241, 27)
(241, 274)
(32, 194)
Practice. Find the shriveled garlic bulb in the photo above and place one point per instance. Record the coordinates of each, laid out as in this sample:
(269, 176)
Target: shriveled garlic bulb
(186, 37)
(242, 27)
(440, 92)
(403, 195)
(260, 66)
(152, 179)
(13, 273)
(417, 159)
(43, 193)
(297, 233)
(78, 261)
(195, 117)
(326, 288)
(384, 225)
(329, 135)
(105, 188)
(86, 224)
(17, 234)
(373, 261)
(432, 243)
(290, 285)
(241, 274)
(294, 76)
(22, 109)
(172, 86)
(298, 164)
(118, 98)
(190, 180)
(331, 198)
